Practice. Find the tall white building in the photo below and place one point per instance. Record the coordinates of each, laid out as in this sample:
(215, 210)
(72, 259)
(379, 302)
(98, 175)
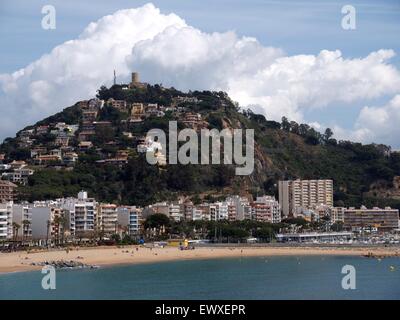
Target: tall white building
(107, 218)
(82, 213)
(22, 214)
(44, 222)
(6, 215)
(304, 194)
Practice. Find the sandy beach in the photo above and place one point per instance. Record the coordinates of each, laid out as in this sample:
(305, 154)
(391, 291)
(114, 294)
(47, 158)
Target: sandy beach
(106, 256)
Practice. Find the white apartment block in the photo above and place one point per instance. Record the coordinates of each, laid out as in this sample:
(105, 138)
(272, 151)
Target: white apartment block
(44, 223)
(176, 211)
(337, 214)
(19, 176)
(6, 216)
(22, 214)
(107, 218)
(197, 214)
(82, 213)
(304, 194)
(219, 211)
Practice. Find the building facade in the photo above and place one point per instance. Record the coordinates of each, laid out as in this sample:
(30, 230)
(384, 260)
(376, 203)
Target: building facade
(385, 219)
(304, 194)
(266, 209)
(22, 215)
(7, 191)
(6, 216)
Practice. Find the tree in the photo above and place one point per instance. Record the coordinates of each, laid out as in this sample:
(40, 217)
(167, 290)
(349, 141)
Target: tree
(57, 224)
(25, 227)
(48, 224)
(303, 129)
(294, 127)
(157, 221)
(16, 228)
(285, 125)
(264, 233)
(328, 134)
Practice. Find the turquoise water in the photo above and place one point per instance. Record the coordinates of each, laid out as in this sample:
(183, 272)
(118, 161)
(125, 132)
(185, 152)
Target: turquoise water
(235, 278)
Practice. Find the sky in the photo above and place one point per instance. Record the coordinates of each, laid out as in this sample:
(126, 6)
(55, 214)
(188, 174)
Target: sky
(279, 58)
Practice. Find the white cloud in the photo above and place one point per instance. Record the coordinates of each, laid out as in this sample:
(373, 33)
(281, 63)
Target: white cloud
(164, 49)
(76, 69)
(376, 124)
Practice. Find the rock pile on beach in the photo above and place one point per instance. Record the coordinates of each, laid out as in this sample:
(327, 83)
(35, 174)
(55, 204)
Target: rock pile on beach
(380, 256)
(62, 264)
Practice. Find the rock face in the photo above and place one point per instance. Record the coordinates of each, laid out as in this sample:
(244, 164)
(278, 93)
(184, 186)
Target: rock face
(380, 190)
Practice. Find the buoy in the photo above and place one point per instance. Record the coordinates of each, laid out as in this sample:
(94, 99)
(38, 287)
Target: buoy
(392, 268)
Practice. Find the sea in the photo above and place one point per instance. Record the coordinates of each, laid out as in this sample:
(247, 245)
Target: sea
(279, 277)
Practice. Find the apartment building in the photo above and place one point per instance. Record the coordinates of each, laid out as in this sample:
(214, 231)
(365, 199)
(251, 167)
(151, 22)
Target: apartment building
(48, 222)
(382, 219)
(82, 213)
(197, 214)
(121, 105)
(7, 191)
(19, 176)
(337, 214)
(6, 216)
(238, 208)
(218, 211)
(304, 194)
(22, 215)
(188, 210)
(266, 209)
(176, 211)
(107, 218)
(135, 220)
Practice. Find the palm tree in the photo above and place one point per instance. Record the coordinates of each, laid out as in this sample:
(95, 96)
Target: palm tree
(63, 224)
(25, 228)
(59, 222)
(16, 228)
(48, 231)
(56, 224)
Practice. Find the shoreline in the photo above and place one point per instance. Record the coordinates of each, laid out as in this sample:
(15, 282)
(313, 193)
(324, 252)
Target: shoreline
(128, 255)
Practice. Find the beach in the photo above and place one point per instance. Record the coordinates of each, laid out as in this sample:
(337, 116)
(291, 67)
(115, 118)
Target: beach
(107, 256)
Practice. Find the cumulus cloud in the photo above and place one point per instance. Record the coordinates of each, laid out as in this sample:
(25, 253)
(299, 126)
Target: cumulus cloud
(376, 124)
(164, 49)
(76, 69)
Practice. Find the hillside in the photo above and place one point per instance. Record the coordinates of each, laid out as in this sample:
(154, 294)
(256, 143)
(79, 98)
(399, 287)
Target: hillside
(92, 145)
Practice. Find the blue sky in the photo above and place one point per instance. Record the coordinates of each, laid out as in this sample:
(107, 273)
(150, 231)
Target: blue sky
(297, 27)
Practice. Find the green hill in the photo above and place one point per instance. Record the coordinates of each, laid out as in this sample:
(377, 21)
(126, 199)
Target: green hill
(362, 173)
